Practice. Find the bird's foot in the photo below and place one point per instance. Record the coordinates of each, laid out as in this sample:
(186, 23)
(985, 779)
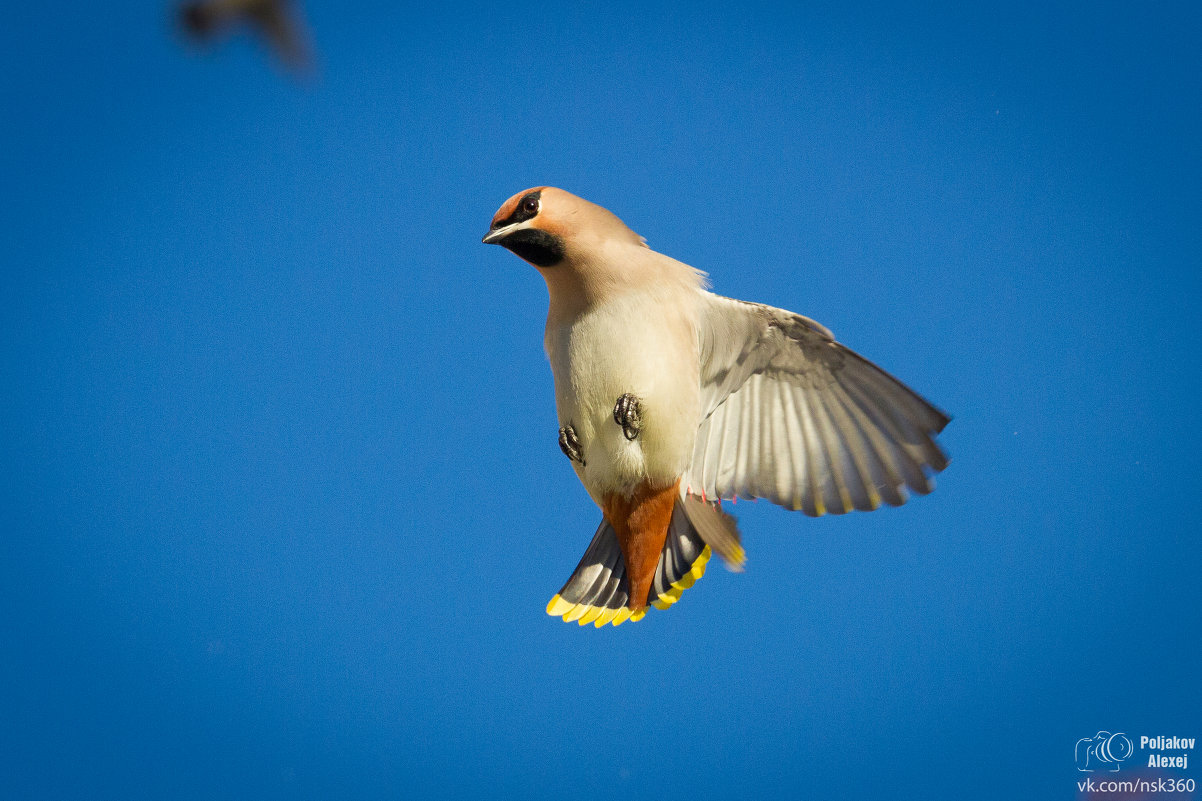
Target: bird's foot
(628, 415)
(569, 443)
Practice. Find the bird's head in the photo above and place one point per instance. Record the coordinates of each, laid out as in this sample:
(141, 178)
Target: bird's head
(548, 226)
(584, 252)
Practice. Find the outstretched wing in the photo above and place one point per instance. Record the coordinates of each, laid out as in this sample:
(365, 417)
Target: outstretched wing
(792, 416)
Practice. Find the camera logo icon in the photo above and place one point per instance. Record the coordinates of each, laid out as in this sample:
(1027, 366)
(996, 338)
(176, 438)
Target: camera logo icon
(1103, 751)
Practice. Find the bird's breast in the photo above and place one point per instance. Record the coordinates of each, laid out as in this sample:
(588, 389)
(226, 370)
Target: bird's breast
(641, 345)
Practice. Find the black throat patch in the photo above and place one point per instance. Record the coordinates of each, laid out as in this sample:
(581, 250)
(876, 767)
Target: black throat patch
(537, 247)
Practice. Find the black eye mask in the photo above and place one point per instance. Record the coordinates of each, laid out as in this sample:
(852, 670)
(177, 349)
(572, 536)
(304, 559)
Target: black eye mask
(520, 212)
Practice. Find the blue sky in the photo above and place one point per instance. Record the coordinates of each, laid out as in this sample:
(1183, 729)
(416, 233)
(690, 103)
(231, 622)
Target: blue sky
(284, 503)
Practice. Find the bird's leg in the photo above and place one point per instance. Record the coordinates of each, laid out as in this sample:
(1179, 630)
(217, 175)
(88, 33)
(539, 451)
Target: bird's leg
(628, 415)
(569, 443)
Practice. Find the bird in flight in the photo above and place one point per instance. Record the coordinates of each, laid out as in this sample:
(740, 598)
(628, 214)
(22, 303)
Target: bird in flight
(671, 399)
(276, 21)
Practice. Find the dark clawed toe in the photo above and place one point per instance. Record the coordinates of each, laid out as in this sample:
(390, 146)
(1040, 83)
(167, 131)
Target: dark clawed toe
(569, 443)
(628, 415)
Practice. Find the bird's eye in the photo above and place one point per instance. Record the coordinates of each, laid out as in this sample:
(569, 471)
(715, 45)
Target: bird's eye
(530, 205)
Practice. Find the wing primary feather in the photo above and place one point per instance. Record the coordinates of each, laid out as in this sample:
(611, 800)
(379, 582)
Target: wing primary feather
(797, 453)
(901, 434)
(877, 455)
(781, 452)
(889, 389)
(921, 415)
(856, 494)
(890, 481)
(860, 482)
(904, 434)
(926, 414)
(815, 466)
(769, 436)
(835, 494)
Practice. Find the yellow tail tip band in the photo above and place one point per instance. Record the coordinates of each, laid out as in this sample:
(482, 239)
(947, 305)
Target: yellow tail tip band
(558, 607)
(589, 616)
(684, 582)
(583, 614)
(605, 617)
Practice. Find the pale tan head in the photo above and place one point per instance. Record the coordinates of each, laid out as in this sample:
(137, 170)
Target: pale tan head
(546, 226)
(584, 252)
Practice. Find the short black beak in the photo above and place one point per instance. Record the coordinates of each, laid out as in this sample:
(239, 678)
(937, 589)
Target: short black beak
(494, 236)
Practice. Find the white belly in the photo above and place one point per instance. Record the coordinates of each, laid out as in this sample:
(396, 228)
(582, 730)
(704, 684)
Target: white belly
(628, 345)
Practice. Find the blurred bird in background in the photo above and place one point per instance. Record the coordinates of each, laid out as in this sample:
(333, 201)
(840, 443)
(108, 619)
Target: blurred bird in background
(278, 22)
(671, 398)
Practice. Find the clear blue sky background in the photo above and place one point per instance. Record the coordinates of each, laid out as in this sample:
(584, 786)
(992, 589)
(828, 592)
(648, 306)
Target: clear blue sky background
(283, 504)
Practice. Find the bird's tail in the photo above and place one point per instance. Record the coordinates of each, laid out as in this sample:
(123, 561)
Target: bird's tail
(599, 592)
